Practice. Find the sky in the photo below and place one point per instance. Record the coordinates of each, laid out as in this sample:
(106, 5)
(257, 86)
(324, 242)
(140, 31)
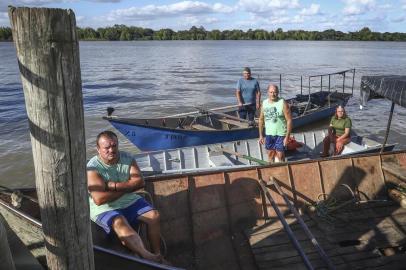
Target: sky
(311, 15)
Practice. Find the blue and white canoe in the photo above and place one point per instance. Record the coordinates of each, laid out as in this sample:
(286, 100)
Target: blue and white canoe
(218, 125)
(244, 153)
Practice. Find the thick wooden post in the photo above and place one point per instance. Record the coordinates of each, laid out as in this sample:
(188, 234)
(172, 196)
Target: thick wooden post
(6, 260)
(48, 57)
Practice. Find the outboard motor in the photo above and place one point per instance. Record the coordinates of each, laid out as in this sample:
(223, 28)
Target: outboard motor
(110, 111)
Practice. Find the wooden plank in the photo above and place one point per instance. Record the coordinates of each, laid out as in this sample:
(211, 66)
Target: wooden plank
(275, 224)
(287, 250)
(217, 159)
(234, 122)
(381, 262)
(230, 117)
(296, 262)
(279, 237)
(201, 127)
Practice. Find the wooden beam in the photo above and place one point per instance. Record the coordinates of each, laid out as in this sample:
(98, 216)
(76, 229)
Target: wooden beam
(230, 117)
(201, 127)
(48, 57)
(234, 122)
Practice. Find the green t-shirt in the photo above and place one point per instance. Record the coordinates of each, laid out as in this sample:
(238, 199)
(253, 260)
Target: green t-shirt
(275, 122)
(119, 172)
(340, 124)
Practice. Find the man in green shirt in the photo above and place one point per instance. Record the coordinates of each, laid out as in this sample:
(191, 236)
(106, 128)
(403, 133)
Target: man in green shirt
(112, 177)
(339, 132)
(276, 117)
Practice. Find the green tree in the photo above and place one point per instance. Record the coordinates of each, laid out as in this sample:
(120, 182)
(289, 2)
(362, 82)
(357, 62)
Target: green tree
(279, 35)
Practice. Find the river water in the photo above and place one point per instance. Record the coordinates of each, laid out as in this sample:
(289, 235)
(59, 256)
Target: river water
(153, 78)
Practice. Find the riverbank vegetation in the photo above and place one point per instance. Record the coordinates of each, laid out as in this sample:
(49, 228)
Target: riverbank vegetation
(123, 32)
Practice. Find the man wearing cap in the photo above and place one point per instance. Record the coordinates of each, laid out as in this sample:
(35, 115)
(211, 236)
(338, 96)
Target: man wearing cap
(248, 95)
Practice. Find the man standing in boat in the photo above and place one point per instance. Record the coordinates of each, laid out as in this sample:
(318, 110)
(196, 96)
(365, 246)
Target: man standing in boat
(112, 177)
(248, 95)
(276, 117)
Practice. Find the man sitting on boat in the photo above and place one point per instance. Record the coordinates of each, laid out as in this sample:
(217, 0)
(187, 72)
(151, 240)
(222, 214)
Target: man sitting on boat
(113, 176)
(276, 116)
(339, 132)
(248, 95)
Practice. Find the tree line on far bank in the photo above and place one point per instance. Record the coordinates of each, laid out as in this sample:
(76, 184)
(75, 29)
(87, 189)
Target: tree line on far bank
(123, 32)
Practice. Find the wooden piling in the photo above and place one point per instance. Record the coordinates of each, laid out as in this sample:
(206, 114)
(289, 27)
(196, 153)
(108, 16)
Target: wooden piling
(48, 57)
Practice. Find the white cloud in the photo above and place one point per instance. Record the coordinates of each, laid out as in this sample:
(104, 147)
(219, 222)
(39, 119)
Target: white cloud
(18, 3)
(358, 7)
(403, 4)
(150, 12)
(314, 9)
(265, 6)
(193, 20)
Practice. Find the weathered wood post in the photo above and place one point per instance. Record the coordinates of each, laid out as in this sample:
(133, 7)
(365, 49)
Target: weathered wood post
(6, 260)
(48, 57)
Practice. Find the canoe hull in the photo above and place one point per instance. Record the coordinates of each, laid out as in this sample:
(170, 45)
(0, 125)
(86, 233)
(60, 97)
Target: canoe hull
(167, 133)
(153, 139)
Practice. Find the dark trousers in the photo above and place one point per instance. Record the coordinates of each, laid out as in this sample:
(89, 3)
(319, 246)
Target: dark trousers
(247, 110)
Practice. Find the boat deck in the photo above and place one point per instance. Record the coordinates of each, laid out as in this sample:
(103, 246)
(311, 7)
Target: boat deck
(364, 236)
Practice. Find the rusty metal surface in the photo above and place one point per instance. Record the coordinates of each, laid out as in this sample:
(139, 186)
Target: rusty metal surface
(368, 177)
(401, 159)
(306, 182)
(244, 198)
(335, 174)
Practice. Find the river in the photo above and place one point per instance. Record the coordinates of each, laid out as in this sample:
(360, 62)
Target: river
(153, 78)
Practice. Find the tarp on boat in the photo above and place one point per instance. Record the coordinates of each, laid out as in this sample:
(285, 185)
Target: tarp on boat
(392, 87)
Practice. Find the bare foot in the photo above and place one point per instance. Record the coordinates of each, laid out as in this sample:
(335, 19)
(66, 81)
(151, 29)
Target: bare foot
(164, 261)
(152, 257)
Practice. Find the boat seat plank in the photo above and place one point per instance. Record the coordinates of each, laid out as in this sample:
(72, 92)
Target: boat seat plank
(201, 127)
(230, 117)
(219, 160)
(395, 169)
(234, 122)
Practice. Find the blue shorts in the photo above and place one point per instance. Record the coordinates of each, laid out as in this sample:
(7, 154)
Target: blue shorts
(274, 143)
(131, 213)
